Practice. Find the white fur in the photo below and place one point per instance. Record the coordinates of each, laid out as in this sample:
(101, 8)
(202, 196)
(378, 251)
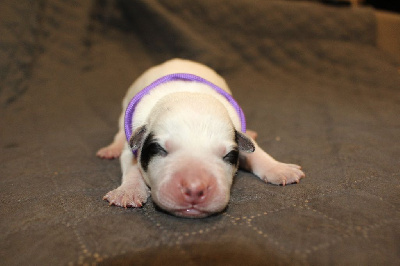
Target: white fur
(196, 125)
(171, 67)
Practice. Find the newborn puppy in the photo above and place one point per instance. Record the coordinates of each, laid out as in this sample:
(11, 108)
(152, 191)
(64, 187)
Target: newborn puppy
(183, 136)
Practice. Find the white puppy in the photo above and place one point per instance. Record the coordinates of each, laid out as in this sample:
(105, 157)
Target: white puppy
(186, 144)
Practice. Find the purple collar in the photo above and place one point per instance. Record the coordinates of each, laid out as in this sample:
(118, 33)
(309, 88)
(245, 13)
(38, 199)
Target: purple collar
(173, 77)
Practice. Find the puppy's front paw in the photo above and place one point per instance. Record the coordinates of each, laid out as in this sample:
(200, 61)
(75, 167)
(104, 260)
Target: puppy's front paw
(282, 174)
(128, 196)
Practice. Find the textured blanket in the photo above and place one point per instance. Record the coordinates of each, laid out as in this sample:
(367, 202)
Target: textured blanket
(310, 80)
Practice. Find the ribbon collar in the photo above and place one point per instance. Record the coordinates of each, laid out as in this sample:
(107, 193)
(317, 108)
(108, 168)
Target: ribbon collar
(174, 77)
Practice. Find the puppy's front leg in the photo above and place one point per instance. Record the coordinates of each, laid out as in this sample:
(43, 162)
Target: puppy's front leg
(133, 191)
(268, 169)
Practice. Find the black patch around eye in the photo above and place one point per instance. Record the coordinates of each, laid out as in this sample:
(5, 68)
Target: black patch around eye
(150, 149)
(232, 157)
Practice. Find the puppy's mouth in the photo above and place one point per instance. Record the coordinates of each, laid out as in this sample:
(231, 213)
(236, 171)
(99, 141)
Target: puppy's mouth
(191, 212)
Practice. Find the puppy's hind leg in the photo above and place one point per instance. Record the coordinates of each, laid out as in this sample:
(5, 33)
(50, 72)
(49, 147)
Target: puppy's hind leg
(113, 150)
(251, 133)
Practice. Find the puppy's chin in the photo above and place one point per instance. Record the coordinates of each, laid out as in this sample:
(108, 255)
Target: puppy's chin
(191, 213)
(187, 210)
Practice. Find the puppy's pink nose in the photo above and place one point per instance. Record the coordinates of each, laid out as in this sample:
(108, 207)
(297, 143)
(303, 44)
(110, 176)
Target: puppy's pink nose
(194, 190)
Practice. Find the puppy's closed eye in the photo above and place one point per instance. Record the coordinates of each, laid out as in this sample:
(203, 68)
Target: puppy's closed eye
(151, 148)
(232, 157)
(155, 149)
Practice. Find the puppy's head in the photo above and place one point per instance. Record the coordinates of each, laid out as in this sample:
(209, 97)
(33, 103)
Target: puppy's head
(188, 153)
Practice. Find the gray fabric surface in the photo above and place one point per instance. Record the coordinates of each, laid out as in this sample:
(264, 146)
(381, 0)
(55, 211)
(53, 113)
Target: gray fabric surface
(308, 77)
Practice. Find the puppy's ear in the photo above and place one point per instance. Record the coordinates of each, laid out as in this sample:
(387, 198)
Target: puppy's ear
(245, 143)
(137, 137)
